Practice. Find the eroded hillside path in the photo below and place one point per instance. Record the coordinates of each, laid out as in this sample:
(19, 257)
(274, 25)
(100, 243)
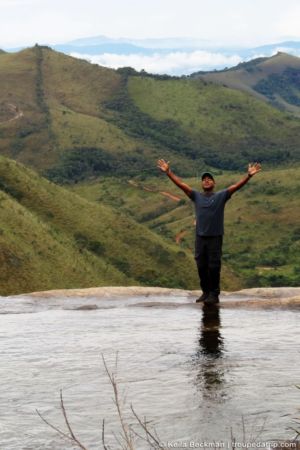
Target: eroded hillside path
(18, 113)
(150, 189)
(175, 198)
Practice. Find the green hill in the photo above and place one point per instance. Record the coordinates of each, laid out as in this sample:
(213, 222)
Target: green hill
(275, 80)
(98, 129)
(262, 233)
(227, 127)
(51, 238)
(70, 120)
(62, 116)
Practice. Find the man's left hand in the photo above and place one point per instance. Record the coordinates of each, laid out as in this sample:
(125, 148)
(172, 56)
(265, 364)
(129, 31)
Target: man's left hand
(253, 168)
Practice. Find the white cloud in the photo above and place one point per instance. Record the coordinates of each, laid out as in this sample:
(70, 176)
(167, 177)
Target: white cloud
(13, 3)
(234, 22)
(175, 63)
(289, 22)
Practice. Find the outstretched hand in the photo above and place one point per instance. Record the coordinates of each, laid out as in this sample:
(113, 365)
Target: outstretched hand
(163, 165)
(253, 168)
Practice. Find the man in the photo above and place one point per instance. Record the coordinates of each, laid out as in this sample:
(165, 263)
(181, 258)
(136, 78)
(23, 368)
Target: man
(209, 208)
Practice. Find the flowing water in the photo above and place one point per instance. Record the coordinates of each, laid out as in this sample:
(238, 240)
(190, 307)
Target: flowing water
(197, 375)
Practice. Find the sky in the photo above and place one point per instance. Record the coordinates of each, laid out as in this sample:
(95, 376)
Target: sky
(216, 22)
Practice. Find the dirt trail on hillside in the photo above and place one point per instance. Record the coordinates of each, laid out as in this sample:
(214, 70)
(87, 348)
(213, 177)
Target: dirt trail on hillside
(150, 189)
(16, 111)
(175, 198)
(179, 236)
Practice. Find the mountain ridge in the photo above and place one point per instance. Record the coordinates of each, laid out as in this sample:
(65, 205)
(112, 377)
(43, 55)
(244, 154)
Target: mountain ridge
(263, 78)
(122, 48)
(125, 120)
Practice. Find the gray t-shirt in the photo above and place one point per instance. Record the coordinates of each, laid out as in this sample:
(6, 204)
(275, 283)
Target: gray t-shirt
(209, 210)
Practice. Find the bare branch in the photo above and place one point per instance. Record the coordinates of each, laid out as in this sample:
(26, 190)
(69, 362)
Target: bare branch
(72, 436)
(66, 418)
(244, 429)
(155, 443)
(111, 376)
(118, 440)
(146, 439)
(53, 426)
(296, 431)
(103, 436)
(232, 439)
(260, 430)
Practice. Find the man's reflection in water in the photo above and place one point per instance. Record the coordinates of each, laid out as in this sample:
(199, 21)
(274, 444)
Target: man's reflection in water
(211, 342)
(210, 374)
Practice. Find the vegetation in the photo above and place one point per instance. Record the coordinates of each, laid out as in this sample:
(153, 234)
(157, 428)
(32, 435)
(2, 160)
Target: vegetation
(274, 80)
(164, 132)
(51, 238)
(228, 128)
(262, 236)
(285, 85)
(97, 128)
(82, 163)
(70, 106)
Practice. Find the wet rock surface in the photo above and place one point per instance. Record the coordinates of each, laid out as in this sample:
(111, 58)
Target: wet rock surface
(281, 297)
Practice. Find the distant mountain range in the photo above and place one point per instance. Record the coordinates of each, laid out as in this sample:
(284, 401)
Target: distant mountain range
(200, 54)
(173, 45)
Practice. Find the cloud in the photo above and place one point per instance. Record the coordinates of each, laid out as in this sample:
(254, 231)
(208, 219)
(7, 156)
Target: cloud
(289, 22)
(233, 22)
(174, 63)
(14, 3)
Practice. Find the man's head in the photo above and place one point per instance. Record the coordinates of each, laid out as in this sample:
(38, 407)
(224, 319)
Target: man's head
(208, 182)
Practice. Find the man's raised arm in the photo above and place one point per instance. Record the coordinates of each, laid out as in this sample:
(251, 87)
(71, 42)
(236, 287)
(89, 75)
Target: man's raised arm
(252, 170)
(165, 167)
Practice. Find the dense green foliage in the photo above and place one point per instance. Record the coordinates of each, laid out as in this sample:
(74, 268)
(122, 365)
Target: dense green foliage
(286, 85)
(82, 163)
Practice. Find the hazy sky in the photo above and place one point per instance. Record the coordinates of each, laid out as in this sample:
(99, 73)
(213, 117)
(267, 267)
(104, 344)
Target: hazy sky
(239, 22)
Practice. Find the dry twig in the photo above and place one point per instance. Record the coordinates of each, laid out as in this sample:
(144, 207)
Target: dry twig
(70, 436)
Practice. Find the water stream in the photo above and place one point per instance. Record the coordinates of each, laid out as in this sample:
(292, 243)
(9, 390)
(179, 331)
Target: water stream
(195, 374)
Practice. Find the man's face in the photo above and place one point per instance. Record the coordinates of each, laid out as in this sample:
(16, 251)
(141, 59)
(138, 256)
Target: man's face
(208, 184)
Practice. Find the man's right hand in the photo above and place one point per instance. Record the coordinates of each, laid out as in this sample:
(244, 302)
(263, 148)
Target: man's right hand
(163, 165)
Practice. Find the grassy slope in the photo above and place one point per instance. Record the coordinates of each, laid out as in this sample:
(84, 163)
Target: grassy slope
(225, 122)
(73, 92)
(63, 104)
(262, 227)
(63, 101)
(17, 87)
(52, 238)
(246, 75)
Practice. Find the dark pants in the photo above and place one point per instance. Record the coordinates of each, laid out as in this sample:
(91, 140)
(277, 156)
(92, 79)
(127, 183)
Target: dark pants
(208, 253)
